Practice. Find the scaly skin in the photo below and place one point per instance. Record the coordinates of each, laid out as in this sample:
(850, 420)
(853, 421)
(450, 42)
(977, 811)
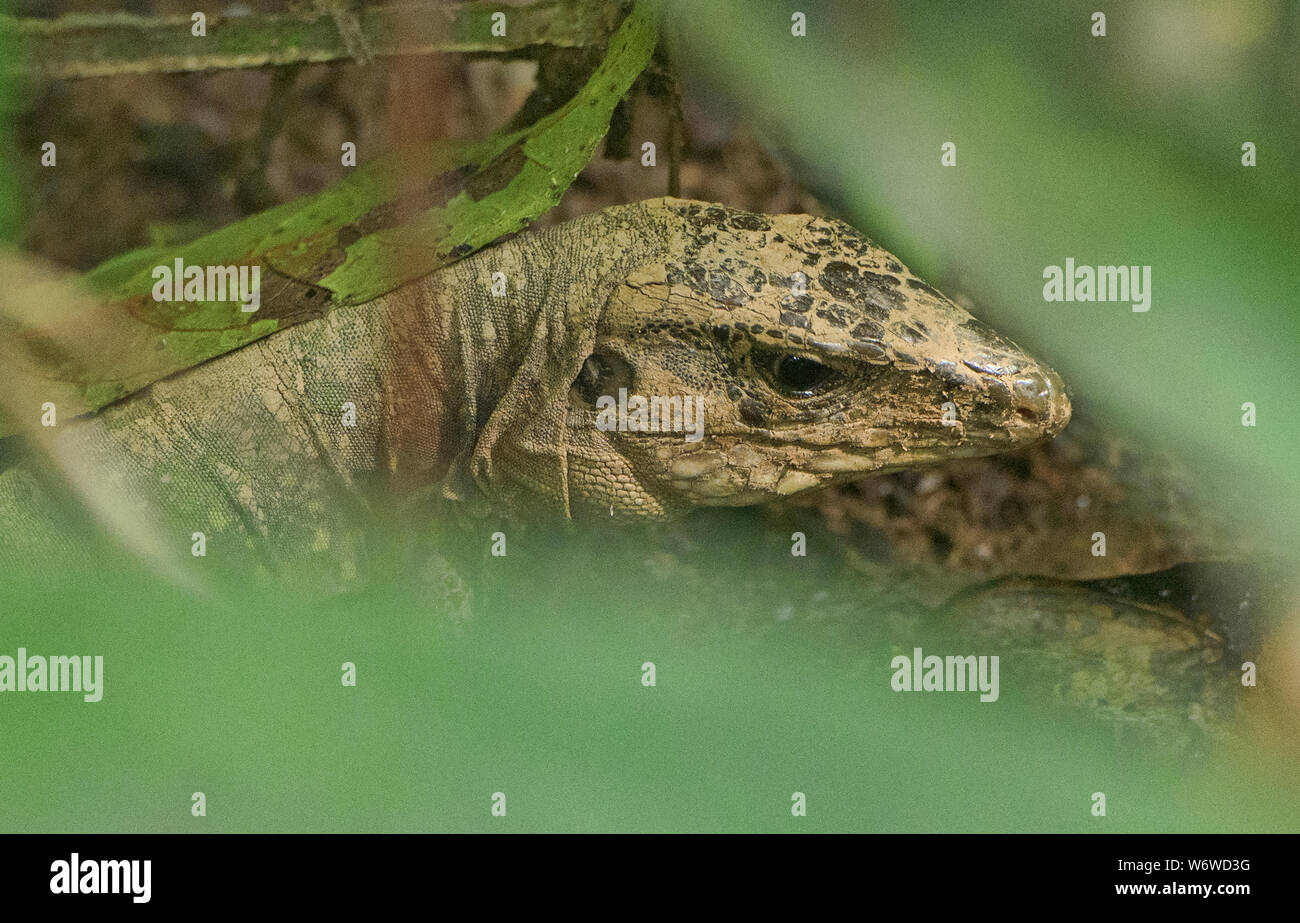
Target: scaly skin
(491, 399)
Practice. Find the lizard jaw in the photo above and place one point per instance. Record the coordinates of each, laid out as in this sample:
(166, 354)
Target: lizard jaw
(1014, 410)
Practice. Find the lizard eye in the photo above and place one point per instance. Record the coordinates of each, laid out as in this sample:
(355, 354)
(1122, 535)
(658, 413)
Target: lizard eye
(799, 376)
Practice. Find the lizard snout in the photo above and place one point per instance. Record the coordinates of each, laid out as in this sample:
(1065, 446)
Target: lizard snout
(1014, 394)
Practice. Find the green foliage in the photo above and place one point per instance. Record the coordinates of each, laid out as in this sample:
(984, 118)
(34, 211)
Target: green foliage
(392, 220)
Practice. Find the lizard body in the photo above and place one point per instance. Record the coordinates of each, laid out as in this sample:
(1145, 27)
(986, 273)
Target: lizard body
(851, 368)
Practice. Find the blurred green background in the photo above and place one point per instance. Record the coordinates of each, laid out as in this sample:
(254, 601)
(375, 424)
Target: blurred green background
(772, 677)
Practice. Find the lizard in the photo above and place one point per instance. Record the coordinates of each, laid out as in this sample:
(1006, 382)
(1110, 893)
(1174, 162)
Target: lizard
(818, 357)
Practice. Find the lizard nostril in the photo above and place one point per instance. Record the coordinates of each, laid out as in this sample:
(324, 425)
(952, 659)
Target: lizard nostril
(1039, 401)
(1033, 395)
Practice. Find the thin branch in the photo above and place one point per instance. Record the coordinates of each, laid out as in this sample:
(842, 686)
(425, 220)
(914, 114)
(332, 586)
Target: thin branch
(102, 45)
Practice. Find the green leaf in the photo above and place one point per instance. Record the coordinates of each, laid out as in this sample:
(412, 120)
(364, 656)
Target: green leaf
(391, 221)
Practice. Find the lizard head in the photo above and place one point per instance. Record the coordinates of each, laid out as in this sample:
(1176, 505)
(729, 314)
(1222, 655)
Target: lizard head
(759, 356)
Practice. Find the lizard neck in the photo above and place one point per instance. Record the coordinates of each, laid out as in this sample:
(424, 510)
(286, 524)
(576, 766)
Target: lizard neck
(453, 344)
(480, 356)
